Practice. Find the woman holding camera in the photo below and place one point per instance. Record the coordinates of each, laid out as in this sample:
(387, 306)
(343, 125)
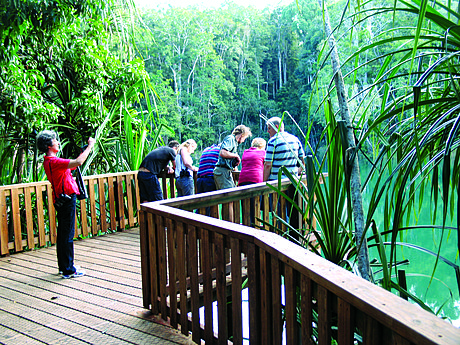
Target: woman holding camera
(184, 168)
(65, 190)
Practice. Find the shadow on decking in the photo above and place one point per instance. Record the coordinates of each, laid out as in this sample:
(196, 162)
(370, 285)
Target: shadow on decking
(37, 306)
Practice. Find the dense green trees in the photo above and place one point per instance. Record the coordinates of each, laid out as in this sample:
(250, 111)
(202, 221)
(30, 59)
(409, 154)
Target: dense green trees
(57, 71)
(226, 66)
(34, 56)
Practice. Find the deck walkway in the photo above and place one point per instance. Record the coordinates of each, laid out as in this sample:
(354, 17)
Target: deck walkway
(37, 306)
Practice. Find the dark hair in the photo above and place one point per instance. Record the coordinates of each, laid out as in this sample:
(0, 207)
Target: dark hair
(173, 143)
(45, 140)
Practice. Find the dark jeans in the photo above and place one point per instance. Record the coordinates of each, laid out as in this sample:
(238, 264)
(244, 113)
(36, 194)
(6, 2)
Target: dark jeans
(149, 186)
(205, 184)
(65, 234)
(185, 186)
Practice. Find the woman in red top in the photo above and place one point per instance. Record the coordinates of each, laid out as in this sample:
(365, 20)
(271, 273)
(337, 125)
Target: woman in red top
(252, 163)
(65, 189)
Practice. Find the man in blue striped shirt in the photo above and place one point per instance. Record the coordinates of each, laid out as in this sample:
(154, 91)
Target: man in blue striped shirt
(205, 181)
(283, 149)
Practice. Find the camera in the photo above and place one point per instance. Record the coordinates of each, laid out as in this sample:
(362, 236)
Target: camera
(185, 173)
(61, 200)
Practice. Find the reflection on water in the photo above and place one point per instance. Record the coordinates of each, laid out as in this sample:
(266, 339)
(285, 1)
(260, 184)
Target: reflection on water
(245, 318)
(442, 291)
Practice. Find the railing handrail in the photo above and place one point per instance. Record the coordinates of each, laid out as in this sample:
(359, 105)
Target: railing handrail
(224, 195)
(46, 182)
(378, 309)
(27, 226)
(28, 217)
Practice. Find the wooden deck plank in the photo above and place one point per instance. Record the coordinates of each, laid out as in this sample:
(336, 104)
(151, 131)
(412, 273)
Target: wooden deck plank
(117, 300)
(93, 279)
(94, 255)
(37, 306)
(114, 273)
(120, 266)
(9, 336)
(71, 316)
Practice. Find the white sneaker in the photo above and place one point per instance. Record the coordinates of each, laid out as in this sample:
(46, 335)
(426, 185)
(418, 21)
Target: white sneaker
(77, 274)
(77, 267)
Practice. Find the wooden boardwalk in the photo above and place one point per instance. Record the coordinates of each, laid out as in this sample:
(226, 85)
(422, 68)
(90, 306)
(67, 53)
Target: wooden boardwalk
(37, 306)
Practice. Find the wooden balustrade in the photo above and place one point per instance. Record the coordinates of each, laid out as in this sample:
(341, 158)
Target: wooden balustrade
(190, 261)
(29, 218)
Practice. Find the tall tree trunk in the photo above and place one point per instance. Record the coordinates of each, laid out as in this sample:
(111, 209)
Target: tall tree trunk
(258, 81)
(280, 63)
(355, 179)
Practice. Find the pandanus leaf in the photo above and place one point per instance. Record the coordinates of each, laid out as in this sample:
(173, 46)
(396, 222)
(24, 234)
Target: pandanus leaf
(445, 183)
(438, 257)
(458, 216)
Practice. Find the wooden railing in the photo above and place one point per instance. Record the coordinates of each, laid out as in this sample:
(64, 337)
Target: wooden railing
(190, 261)
(28, 217)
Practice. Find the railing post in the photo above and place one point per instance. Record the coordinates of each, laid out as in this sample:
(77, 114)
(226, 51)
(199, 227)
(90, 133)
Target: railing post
(254, 293)
(237, 284)
(265, 298)
(3, 224)
(221, 288)
(277, 323)
(145, 267)
(194, 285)
(290, 288)
(182, 276)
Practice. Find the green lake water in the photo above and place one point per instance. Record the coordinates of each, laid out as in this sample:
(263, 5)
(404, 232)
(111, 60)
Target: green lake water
(442, 290)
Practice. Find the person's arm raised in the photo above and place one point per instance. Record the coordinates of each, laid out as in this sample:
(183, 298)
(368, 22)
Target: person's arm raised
(82, 157)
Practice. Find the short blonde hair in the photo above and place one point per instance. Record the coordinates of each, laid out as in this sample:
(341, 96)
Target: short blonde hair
(187, 144)
(259, 143)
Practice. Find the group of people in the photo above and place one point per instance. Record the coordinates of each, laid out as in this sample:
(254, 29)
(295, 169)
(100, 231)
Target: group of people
(259, 163)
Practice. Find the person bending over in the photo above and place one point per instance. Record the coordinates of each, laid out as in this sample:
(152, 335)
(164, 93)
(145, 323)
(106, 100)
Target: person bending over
(147, 176)
(229, 158)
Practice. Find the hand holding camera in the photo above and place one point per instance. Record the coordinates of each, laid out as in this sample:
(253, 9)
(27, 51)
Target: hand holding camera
(236, 161)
